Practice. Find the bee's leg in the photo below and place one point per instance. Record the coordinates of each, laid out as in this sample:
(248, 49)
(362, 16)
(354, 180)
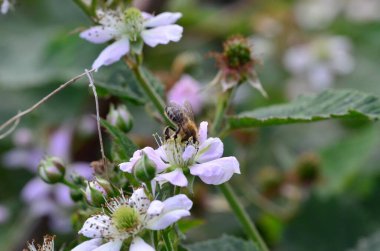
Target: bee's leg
(167, 132)
(175, 135)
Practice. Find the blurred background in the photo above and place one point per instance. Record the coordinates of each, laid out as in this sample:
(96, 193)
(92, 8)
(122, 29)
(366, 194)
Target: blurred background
(308, 186)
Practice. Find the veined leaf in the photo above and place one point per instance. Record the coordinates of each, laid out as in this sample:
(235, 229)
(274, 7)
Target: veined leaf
(127, 147)
(326, 105)
(225, 243)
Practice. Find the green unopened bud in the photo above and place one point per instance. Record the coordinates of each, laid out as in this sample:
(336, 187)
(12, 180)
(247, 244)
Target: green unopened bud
(126, 218)
(144, 169)
(95, 193)
(237, 52)
(134, 21)
(51, 170)
(120, 118)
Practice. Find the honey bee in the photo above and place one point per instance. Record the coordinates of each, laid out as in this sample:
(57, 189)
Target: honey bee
(183, 117)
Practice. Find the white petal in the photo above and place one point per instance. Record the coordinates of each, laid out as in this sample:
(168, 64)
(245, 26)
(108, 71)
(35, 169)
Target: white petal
(139, 244)
(146, 15)
(189, 152)
(98, 226)
(112, 53)
(174, 209)
(155, 207)
(5, 6)
(110, 246)
(88, 245)
(175, 177)
(97, 34)
(128, 166)
(202, 132)
(162, 35)
(209, 150)
(139, 200)
(217, 171)
(155, 157)
(162, 19)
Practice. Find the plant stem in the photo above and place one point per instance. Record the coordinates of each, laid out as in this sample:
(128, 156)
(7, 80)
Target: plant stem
(236, 206)
(221, 107)
(155, 239)
(243, 217)
(152, 94)
(168, 243)
(69, 184)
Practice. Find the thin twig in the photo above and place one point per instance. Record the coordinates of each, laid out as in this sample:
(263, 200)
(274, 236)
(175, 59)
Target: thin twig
(19, 115)
(10, 129)
(92, 85)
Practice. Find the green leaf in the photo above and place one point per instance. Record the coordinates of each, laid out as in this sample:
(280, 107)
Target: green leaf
(119, 91)
(343, 161)
(369, 243)
(225, 243)
(127, 147)
(326, 105)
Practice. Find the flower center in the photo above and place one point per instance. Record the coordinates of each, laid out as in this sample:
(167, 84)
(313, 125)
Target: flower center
(126, 218)
(134, 23)
(180, 154)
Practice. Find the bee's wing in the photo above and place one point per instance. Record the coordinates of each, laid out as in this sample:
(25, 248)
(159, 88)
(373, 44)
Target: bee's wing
(188, 110)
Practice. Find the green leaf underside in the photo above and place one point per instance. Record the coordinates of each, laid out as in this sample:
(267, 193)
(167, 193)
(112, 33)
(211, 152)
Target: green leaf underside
(224, 243)
(329, 104)
(127, 146)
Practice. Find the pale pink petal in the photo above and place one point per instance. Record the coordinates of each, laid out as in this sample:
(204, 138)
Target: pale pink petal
(217, 171)
(97, 34)
(175, 177)
(189, 152)
(209, 150)
(162, 19)
(185, 90)
(162, 35)
(202, 132)
(112, 53)
(155, 207)
(98, 226)
(169, 211)
(139, 244)
(88, 245)
(5, 6)
(155, 157)
(128, 166)
(139, 200)
(114, 245)
(146, 15)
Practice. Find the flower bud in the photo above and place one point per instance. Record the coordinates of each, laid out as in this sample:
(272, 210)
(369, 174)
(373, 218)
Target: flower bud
(96, 193)
(120, 118)
(144, 169)
(51, 170)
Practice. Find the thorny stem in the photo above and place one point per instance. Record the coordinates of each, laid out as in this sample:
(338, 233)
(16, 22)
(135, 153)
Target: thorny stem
(243, 216)
(19, 115)
(92, 85)
(226, 189)
(152, 94)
